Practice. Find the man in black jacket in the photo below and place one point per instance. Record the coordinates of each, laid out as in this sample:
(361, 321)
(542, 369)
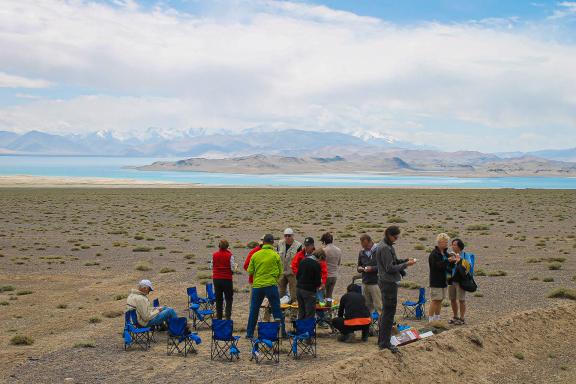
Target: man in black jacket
(390, 272)
(369, 270)
(353, 315)
(308, 280)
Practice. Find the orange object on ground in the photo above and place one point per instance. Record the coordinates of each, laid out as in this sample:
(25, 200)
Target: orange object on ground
(358, 321)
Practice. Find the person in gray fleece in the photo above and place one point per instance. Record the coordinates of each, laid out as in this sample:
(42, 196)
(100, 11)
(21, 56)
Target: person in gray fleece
(390, 272)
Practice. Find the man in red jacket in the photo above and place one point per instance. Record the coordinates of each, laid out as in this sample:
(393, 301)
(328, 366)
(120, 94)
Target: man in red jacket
(222, 270)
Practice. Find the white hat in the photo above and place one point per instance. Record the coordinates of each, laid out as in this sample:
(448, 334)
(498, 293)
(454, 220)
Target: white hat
(146, 283)
(288, 231)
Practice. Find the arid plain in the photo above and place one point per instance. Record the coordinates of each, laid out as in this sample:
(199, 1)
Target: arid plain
(68, 257)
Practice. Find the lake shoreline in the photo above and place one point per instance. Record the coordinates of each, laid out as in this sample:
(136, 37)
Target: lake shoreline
(30, 181)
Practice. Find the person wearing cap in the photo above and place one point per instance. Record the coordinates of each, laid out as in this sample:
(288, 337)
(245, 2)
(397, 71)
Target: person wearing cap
(333, 260)
(266, 268)
(309, 279)
(287, 249)
(147, 315)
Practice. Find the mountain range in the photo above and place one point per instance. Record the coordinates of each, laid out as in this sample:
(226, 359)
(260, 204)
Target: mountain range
(192, 143)
(155, 142)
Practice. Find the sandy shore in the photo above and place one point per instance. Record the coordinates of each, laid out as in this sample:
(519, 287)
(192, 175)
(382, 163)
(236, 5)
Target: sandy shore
(59, 181)
(27, 181)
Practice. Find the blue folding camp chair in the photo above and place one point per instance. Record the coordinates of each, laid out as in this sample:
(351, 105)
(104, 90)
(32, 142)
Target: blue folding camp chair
(211, 296)
(224, 344)
(374, 325)
(415, 309)
(303, 338)
(134, 333)
(178, 334)
(200, 316)
(267, 344)
(193, 298)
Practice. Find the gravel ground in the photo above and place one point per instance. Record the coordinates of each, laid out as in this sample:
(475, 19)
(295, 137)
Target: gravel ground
(68, 254)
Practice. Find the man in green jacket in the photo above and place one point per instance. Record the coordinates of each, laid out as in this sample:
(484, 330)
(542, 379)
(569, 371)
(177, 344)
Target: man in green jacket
(265, 267)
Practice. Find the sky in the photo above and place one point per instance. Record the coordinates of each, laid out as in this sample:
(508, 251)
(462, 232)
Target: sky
(483, 75)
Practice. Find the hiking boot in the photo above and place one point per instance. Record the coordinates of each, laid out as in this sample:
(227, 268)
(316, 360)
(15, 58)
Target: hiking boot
(391, 348)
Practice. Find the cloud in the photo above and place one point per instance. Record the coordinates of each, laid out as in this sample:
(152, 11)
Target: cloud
(564, 9)
(286, 64)
(12, 81)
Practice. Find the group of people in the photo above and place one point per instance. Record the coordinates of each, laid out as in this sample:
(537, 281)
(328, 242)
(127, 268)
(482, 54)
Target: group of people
(292, 271)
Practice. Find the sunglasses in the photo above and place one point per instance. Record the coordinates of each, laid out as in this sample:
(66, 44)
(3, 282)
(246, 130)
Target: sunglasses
(287, 235)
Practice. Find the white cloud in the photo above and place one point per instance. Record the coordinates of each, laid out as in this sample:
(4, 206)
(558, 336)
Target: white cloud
(280, 64)
(13, 81)
(564, 9)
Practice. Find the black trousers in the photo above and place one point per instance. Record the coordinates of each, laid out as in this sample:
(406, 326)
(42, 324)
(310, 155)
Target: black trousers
(306, 303)
(389, 302)
(338, 323)
(223, 289)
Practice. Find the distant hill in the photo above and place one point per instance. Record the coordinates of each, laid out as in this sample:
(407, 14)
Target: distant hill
(406, 162)
(194, 143)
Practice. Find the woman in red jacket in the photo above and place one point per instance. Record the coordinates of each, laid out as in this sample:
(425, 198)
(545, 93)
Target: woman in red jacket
(222, 267)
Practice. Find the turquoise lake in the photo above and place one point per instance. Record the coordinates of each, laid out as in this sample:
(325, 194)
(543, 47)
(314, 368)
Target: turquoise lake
(113, 167)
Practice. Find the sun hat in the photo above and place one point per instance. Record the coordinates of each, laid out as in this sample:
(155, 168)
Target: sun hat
(146, 283)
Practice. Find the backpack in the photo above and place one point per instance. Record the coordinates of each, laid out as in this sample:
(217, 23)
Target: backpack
(465, 279)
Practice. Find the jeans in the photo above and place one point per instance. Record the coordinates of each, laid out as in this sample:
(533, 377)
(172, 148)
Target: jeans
(338, 323)
(258, 295)
(389, 302)
(223, 289)
(306, 303)
(163, 317)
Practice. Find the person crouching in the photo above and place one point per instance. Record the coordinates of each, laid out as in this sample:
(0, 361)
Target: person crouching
(353, 315)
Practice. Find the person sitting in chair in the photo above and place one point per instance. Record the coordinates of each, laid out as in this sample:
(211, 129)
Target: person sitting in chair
(353, 315)
(147, 314)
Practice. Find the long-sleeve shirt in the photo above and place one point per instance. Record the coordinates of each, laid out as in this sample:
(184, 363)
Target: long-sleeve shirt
(388, 265)
(308, 276)
(300, 256)
(247, 262)
(265, 266)
(366, 258)
(333, 259)
(440, 268)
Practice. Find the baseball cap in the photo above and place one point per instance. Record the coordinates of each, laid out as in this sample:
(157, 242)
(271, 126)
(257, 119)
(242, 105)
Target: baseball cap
(308, 241)
(268, 238)
(288, 231)
(146, 283)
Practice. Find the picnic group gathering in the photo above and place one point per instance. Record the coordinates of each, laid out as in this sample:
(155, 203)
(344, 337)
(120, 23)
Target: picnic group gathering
(296, 280)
